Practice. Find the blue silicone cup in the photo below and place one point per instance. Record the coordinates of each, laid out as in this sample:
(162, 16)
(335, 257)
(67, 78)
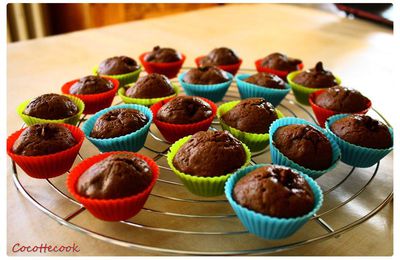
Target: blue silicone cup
(265, 226)
(248, 90)
(213, 92)
(355, 155)
(279, 158)
(130, 142)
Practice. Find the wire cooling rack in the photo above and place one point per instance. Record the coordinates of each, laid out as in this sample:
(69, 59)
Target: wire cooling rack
(174, 221)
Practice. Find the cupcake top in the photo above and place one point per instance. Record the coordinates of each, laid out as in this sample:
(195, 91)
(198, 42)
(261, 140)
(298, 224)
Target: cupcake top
(267, 80)
(305, 145)
(220, 56)
(184, 110)
(279, 61)
(316, 77)
(117, 65)
(252, 115)
(118, 122)
(91, 85)
(364, 131)
(205, 76)
(43, 139)
(153, 85)
(117, 176)
(162, 55)
(51, 106)
(276, 191)
(209, 154)
(342, 99)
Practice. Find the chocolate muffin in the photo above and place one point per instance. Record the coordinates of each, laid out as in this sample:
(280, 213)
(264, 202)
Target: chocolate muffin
(276, 191)
(209, 154)
(252, 115)
(164, 55)
(51, 106)
(117, 176)
(184, 110)
(342, 99)
(279, 61)
(205, 76)
(117, 65)
(220, 56)
(151, 86)
(43, 139)
(267, 80)
(118, 122)
(91, 85)
(304, 145)
(363, 131)
(316, 78)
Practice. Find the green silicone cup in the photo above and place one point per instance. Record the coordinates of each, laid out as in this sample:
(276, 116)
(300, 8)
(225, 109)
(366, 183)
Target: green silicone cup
(202, 186)
(255, 142)
(124, 79)
(301, 92)
(73, 120)
(145, 101)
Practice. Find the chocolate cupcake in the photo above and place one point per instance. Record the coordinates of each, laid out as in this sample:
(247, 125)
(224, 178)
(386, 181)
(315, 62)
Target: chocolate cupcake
(279, 61)
(117, 65)
(267, 80)
(90, 85)
(316, 77)
(162, 55)
(205, 76)
(220, 56)
(151, 86)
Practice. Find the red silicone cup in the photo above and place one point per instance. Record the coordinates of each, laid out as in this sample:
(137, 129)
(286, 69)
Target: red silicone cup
(169, 69)
(47, 166)
(94, 102)
(322, 113)
(281, 73)
(232, 69)
(111, 209)
(174, 132)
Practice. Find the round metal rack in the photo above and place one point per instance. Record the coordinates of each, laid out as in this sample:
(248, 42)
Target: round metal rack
(174, 221)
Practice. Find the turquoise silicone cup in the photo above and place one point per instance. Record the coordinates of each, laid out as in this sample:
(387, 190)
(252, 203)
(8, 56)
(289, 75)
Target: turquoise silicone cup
(355, 155)
(130, 142)
(124, 79)
(278, 158)
(248, 90)
(265, 226)
(214, 92)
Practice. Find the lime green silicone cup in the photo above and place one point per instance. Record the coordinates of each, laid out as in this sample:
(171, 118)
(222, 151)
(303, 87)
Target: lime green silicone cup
(144, 101)
(255, 142)
(124, 79)
(73, 120)
(202, 186)
(301, 92)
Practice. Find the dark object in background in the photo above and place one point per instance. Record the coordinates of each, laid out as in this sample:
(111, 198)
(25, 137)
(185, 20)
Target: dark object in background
(379, 13)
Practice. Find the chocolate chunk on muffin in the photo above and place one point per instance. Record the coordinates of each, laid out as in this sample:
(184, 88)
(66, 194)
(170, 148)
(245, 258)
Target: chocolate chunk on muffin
(220, 56)
(362, 130)
(51, 106)
(279, 61)
(209, 154)
(117, 176)
(275, 191)
(162, 55)
(118, 122)
(304, 145)
(316, 77)
(117, 65)
(151, 86)
(184, 110)
(43, 139)
(267, 80)
(91, 85)
(205, 76)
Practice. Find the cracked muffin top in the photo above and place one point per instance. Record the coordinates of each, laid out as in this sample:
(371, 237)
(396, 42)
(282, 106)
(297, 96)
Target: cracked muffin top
(220, 56)
(316, 77)
(51, 106)
(205, 76)
(91, 85)
(279, 61)
(117, 65)
(153, 85)
(267, 80)
(162, 55)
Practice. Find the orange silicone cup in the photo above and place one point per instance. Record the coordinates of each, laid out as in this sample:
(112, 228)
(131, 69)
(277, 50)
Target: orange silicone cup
(232, 68)
(169, 69)
(281, 73)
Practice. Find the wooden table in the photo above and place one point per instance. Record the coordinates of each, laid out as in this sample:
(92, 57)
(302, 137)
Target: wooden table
(359, 52)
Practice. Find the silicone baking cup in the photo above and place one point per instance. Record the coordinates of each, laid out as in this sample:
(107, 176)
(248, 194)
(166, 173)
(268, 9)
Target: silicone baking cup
(202, 186)
(355, 155)
(111, 209)
(232, 68)
(47, 166)
(169, 69)
(255, 142)
(93, 102)
(301, 93)
(124, 79)
(213, 92)
(248, 90)
(280, 73)
(280, 159)
(173, 132)
(265, 226)
(73, 120)
(130, 142)
(322, 113)
(145, 101)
